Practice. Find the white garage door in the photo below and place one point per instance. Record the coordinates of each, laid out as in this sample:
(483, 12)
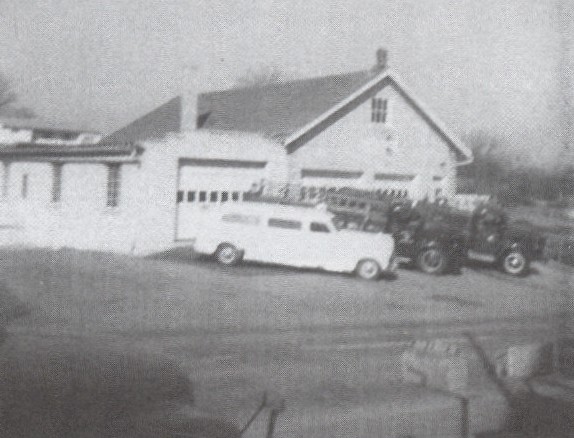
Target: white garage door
(206, 184)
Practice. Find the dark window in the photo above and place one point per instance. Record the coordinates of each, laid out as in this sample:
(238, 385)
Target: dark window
(113, 195)
(202, 196)
(379, 110)
(213, 197)
(394, 177)
(235, 196)
(190, 196)
(330, 173)
(24, 186)
(224, 196)
(208, 162)
(284, 223)
(319, 227)
(180, 196)
(56, 182)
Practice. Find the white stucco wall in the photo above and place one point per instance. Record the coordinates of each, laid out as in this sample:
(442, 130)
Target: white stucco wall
(406, 144)
(80, 219)
(160, 168)
(145, 219)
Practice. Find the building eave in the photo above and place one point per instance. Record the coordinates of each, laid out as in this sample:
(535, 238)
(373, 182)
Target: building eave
(35, 152)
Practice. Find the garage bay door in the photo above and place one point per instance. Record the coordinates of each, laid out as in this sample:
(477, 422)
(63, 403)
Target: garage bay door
(206, 184)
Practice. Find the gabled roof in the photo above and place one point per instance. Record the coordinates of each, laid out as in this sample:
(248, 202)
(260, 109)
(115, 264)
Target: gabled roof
(153, 125)
(295, 112)
(275, 110)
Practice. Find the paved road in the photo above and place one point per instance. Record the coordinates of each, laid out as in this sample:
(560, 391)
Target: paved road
(322, 341)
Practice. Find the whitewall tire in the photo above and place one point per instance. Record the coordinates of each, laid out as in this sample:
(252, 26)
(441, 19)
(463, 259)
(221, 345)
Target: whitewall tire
(368, 269)
(227, 254)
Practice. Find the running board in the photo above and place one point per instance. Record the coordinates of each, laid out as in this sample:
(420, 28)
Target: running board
(481, 257)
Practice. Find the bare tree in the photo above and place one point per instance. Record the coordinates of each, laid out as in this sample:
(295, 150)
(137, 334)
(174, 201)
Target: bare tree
(7, 96)
(8, 99)
(261, 76)
(486, 169)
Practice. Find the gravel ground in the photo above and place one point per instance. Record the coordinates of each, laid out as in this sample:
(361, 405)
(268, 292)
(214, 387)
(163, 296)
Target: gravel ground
(176, 333)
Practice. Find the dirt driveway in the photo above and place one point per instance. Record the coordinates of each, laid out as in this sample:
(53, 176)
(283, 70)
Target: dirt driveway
(212, 339)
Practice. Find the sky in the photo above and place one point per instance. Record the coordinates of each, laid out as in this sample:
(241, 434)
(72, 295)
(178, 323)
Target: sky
(489, 65)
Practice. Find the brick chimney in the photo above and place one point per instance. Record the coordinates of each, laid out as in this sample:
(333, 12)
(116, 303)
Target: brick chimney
(382, 56)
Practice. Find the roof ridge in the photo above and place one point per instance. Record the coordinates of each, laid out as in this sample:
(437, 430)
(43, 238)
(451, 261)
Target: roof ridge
(368, 75)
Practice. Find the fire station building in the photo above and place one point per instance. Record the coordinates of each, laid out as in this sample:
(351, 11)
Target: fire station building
(142, 188)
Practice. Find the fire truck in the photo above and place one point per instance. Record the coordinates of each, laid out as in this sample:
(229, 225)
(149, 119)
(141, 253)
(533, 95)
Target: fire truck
(438, 238)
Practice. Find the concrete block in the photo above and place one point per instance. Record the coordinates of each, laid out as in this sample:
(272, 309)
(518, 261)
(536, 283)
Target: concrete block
(442, 365)
(529, 360)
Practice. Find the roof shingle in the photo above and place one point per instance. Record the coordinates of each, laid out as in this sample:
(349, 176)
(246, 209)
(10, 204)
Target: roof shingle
(276, 110)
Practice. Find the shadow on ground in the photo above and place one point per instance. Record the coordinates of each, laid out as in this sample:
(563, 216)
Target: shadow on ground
(492, 269)
(11, 308)
(81, 388)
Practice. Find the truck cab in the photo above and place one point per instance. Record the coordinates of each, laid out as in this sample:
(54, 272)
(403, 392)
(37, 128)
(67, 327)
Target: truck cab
(495, 239)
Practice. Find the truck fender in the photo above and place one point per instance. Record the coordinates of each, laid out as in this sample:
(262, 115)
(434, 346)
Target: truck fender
(509, 246)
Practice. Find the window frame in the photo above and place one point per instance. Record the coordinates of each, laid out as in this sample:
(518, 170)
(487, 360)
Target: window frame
(379, 110)
(57, 182)
(24, 187)
(6, 179)
(113, 185)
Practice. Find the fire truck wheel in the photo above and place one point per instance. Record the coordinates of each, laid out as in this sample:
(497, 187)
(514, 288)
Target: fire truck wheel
(432, 261)
(515, 262)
